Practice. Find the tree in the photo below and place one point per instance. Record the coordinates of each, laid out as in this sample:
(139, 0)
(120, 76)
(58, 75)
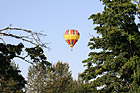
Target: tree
(116, 68)
(54, 79)
(80, 86)
(37, 76)
(59, 79)
(10, 78)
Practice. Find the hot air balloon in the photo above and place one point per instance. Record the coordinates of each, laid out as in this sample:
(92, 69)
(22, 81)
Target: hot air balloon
(71, 37)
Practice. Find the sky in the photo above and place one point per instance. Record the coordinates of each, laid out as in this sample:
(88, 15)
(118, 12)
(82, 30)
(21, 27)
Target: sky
(53, 17)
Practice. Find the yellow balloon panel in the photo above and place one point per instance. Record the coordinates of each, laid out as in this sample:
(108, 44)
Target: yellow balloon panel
(71, 36)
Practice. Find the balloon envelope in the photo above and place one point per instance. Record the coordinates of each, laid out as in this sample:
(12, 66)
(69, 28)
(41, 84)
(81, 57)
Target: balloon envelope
(71, 37)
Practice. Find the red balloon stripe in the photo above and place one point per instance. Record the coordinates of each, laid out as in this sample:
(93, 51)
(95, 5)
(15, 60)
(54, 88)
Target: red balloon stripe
(67, 32)
(74, 42)
(71, 31)
(68, 41)
(71, 41)
(76, 32)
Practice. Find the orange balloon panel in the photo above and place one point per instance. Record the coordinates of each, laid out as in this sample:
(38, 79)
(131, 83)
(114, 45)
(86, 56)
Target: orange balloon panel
(71, 36)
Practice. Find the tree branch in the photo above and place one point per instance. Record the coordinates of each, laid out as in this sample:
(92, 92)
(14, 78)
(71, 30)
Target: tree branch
(34, 35)
(18, 37)
(23, 58)
(128, 86)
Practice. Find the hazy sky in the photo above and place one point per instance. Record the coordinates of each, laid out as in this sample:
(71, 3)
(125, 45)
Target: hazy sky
(53, 17)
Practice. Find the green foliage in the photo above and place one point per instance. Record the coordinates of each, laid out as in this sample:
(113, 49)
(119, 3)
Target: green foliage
(59, 78)
(80, 86)
(37, 76)
(116, 67)
(11, 80)
(138, 4)
(36, 54)
(46, 79)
